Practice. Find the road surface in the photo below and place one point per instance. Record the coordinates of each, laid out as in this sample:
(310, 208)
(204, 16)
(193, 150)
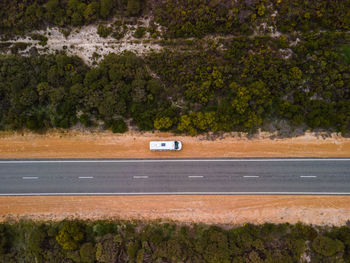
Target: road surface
(175, 176)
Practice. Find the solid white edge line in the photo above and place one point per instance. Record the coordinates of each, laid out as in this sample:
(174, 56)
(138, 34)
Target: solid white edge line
(308, 176)
(185, 193)
(195, 176)
(175, 160)
(85, 177)
(140, 177)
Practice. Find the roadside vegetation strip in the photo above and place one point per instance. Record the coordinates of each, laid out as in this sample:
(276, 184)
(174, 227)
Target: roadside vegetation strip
(138, 241)
(159, 100)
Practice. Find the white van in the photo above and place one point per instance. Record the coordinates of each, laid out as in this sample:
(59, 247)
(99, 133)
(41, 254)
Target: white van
(165, 145)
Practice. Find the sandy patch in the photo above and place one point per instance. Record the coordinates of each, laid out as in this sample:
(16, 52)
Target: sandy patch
(85, 41)
(334, 210)
(136, 145)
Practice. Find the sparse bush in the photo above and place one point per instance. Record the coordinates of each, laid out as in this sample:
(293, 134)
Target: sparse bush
(104, 31)
(42, 39)
(140, 32)
(118, 126)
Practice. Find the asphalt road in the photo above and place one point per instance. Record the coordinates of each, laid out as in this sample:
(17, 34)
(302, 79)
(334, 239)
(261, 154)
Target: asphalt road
(175, 176)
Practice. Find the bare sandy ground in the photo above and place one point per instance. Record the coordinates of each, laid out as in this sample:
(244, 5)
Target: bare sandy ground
(320, 210)
(234, 210)
(136, 145)
(85, 41)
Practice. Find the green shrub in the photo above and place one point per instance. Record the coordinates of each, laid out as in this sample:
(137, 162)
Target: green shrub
(87, 253)
(163, 123)
(118, 126)
(104, 31)
(18, 46)
(4, 239)
(326, 246)
(70, 235)
(41, 38)
(140, 32)
(133, 7)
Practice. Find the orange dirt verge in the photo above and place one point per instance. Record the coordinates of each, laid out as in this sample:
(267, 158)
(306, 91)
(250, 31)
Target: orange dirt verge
(135, 145)
(334, 210)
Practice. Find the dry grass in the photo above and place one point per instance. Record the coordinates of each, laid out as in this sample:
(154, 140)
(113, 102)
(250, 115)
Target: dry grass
(320, 210)
(135, 145)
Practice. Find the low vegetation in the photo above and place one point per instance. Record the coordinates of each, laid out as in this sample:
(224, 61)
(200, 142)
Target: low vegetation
(18, 17)
(238, 84)
(59, 91)
(225, 66)
(126, 241)
(181, 18)
(197, 18)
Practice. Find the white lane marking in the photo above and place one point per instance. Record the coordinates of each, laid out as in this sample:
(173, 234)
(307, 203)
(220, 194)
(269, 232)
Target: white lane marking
(140, 177)
(195, 176)
(85, 177)
(30, 177)
(250, 176)
(186, 193)
(174, 160)
(308, 176)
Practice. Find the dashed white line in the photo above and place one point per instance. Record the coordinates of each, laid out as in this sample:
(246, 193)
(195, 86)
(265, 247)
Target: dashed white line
(308, 176)
(195, 176)
(85, 177)
(140, 177)
(30, 177)
(251, 176)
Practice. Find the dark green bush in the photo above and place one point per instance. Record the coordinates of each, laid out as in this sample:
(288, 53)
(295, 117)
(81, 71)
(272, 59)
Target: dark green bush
(140, 32)
(104, 31)
(118, 126)
(42, 39)
(133, 7)
(326, 246)
(87, 253)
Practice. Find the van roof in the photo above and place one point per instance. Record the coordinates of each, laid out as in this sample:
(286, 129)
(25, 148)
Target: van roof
(162, 145)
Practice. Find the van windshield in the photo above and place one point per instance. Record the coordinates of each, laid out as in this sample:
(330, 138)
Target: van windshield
(176, 145)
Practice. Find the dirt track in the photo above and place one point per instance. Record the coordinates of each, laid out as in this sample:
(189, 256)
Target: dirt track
(135, 145)
(320, 210)
(207, 209)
